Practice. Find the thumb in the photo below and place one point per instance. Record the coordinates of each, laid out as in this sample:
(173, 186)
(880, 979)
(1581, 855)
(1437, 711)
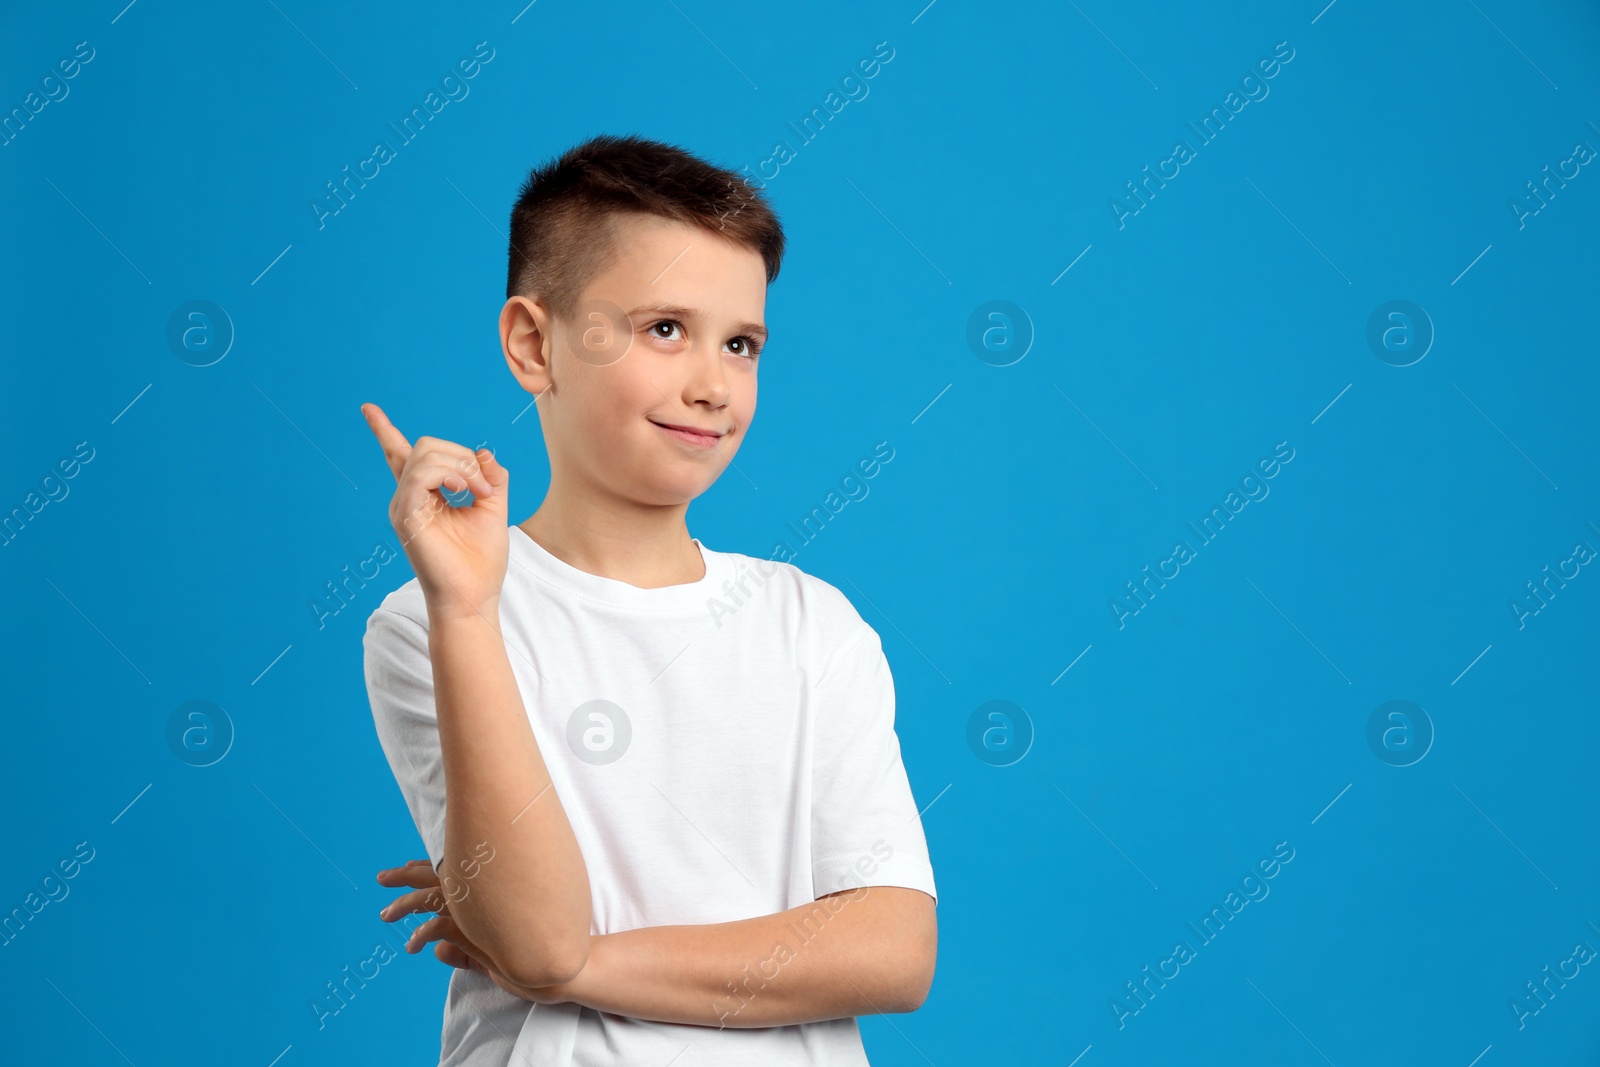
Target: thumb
(498, 476)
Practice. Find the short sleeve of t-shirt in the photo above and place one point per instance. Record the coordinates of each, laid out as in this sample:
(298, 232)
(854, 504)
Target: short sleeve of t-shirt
(399, 676)
(865, 829)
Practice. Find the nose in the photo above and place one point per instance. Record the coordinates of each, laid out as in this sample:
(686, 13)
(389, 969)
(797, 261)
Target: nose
(706, 380)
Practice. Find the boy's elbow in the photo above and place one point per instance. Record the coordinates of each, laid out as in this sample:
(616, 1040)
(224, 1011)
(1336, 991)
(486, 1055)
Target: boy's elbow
(557, 965)
(918, 955)
(917, 980)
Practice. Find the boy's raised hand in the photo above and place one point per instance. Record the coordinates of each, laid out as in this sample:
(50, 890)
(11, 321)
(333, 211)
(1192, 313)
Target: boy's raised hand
(459, 554)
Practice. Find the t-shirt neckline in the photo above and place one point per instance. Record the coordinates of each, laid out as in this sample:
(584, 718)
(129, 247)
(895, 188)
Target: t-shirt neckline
(535, 559)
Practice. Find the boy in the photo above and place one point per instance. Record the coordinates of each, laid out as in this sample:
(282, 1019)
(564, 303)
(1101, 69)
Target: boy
(659, 830)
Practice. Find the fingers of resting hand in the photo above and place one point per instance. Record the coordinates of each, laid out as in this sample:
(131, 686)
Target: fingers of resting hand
(452, 953)
(426, 899)
(438, 928)
(416, 873)
(419, 875)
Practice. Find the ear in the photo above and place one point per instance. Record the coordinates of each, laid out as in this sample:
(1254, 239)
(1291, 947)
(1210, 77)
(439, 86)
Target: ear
(527, 332)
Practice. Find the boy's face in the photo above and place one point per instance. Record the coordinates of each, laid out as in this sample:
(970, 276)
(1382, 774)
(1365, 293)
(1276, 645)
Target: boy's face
(667, 334)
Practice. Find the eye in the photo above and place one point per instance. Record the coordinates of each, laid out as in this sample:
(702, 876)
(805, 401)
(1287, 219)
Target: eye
(745, 346)
(664, 329)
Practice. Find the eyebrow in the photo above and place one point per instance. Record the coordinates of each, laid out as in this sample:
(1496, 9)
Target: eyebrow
(754, 329)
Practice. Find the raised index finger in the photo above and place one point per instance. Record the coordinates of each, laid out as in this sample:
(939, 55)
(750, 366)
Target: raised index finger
(395, 446)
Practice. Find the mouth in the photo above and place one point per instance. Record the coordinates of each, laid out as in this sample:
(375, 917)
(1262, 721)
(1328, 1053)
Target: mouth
(691, 434)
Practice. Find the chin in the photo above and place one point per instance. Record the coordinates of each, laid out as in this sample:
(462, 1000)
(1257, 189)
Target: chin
(666, 492)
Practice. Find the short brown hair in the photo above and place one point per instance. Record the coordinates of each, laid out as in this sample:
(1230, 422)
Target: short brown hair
(561, 233)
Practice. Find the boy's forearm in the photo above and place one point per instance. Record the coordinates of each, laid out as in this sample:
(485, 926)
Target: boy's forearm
(863, 952)
(528, 909)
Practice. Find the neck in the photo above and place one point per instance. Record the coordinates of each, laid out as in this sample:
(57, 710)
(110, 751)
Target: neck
(647, 546)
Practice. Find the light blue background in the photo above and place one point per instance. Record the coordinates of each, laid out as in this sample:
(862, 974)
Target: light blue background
(1228, 315)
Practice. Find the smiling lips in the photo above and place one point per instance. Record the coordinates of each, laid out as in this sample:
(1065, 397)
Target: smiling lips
(691, 435)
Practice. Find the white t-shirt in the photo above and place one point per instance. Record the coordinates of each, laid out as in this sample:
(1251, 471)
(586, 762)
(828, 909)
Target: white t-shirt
(724, 749)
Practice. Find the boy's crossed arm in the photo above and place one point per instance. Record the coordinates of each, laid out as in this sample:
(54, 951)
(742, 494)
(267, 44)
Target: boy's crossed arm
(865, 951)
